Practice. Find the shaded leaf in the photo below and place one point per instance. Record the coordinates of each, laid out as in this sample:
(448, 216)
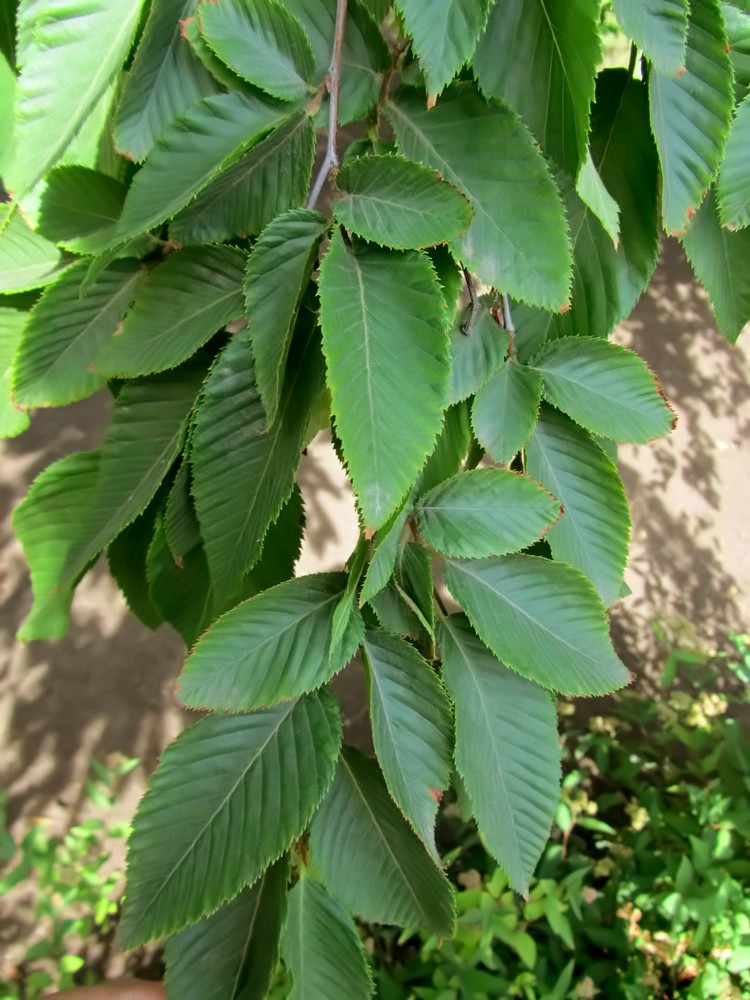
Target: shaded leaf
(505, 410)
(273, 177)
(476, 356)
(66, 331)
(345, 614)
(263, 43)
(450, 451)
(270, 648)
(507, 750)
(691, 114)
(220, 782)
(232, 954)
(659, 28)
(387, 358)
(485, 512)
(180, 589)
(384, 554)
(604, 387)
(179, 307)
(398, 203)
(79, 208)
(370, 859)
(594, 530)
(166, 78)
(181, 528)
(592, 191)
(466, 140)
(322, 948)
(445, 34)
(733, 189)
(411, 726)
(277, 275)
(127, 557)
(27, 260)
(542, 618)
(12, 420)
(541, 57)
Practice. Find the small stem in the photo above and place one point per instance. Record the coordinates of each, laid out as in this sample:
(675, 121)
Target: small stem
(331, 160)
(632, 60)
(442, 610)
(468, 322)
(510, 329)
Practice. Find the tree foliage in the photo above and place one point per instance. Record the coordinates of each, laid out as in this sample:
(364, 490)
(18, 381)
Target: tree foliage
(165, 236)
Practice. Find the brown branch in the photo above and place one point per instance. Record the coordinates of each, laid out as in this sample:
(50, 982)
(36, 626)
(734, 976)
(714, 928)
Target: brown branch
(333, 82)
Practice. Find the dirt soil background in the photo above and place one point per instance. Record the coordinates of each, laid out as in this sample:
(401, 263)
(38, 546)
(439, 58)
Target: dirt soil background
(108, 686)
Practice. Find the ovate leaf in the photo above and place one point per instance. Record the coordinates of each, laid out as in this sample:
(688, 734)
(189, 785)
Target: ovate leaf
(68, 54)
(411, 726)
(594, 530)
(592, 191)
(485, 512)
(181, 527)
(66, 331)
(542, 618)
(249, 783)
(387, 358)
(143, 440)
(370, 859)
(477, 355)
(505, 410)
(194, 149)
(232, 954)
(541, 57)
(604, 387)
(263, 43)
(48, 524)
(399, 204)
(180, 589)
(270, 648)
(243, 471)
(445, 33)
(278, 273)
(733, 188)
(27, 260)
(467, 141)
(273, 177)
(719, 259)
(127, 558)
(322, 949)
(691, 114)
(507, 749)
(79, 208)
(12, 421)
(659, 28)
(164, 80)
(182, 304)
(384, 554)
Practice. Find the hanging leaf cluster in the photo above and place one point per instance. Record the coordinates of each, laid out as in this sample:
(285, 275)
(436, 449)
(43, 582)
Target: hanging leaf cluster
(444, 307)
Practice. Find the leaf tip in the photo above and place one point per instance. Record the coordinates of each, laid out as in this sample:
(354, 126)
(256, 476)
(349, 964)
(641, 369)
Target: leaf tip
(564, 308)
(431, 101)
(680, 72)
(184, 22)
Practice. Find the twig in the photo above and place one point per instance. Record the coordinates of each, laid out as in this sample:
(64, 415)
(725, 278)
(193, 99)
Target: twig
(468, 322)
(510, 328)
(333, 81)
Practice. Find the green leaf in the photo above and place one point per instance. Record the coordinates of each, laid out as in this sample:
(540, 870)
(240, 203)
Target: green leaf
(271, 648)
(450, 450)
(180, 589)
(12, 420)
(263, 43)
(415, 583)
(8, 31)
(143, 440)
(180, 306)
(273, 177)
(541, 57)
(66, 331)
(181, 527)
(27, 260)
(659, 28)
(505, 410)
(194, 149)
(384, 554)
(247, 783)
(127, 558)
(526, 255)
(507, 750)
(476, 355)
(411, 727)
(444, 34)
(232, 954)
(48, 524)
(364, 56)
(737, 24)
(7, 103)
(166, 78)
(322, 949)
(606, 388)
(485, 512)
(733, 189)
(594, 530)
(370, 859)
(592, 191)
(691, 115)
(243, 471)
(719, 259)
(69, 53)
(345, 613)
(387, 355)
(79, 208)
(542, 618)
(399, 204)
(278, 272)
